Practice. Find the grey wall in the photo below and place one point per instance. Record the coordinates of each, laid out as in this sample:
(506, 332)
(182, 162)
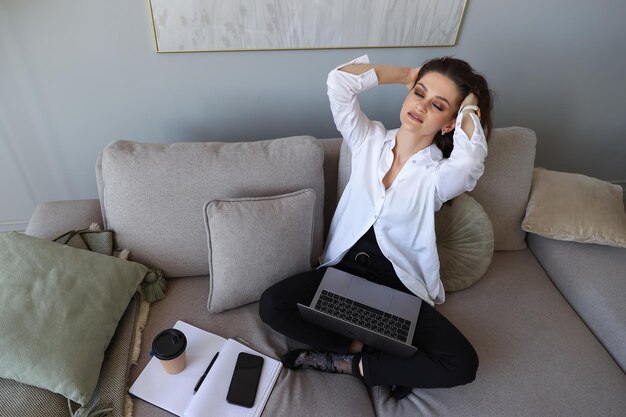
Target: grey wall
(76, 75)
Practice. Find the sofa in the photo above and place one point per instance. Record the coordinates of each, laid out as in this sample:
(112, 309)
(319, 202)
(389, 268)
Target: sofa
(547, 319)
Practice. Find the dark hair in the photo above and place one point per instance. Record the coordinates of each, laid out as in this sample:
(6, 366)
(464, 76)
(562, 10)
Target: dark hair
(467, 80)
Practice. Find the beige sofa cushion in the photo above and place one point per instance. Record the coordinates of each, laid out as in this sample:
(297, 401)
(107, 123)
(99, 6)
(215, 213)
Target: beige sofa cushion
(577, 208)
(537, 357)
(504, 187)
(152, 195)
(256, 242)
(502, 190)
(296, 393)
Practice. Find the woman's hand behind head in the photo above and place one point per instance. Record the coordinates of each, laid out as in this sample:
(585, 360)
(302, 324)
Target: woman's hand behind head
(470, 100)
(412, 78)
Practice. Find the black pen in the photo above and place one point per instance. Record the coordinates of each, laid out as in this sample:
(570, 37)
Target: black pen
(205, 373)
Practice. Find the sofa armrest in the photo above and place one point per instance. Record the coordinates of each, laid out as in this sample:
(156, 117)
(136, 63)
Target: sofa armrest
(53, 218)
(592, 279)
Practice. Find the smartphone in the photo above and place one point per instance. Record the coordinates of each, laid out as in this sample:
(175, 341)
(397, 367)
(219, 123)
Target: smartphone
(245, 380)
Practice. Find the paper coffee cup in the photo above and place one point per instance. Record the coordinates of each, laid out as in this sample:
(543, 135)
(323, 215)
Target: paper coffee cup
(169, 347)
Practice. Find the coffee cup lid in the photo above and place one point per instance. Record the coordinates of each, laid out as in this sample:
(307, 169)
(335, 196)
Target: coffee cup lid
(169, 344)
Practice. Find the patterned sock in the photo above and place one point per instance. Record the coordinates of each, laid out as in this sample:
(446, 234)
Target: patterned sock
(338, 363)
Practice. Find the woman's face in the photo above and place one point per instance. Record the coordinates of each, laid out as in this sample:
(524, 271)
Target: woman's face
(431, 106)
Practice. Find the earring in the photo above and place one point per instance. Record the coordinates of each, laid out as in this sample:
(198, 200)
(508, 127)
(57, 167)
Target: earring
(442, 132)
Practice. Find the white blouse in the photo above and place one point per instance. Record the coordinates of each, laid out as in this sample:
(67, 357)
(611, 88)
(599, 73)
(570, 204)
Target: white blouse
(402, 215)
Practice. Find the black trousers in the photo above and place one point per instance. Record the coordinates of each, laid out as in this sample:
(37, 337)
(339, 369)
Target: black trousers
(444, 358)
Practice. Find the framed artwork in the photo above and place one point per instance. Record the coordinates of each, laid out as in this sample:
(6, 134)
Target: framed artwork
(236, 25)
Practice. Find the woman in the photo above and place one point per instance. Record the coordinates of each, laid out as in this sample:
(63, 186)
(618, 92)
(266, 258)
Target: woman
(399, 179)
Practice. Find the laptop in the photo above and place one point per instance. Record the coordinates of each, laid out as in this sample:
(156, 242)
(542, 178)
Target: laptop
(377, 315)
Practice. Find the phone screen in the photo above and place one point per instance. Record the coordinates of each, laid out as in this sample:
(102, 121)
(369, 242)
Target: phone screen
(245, 380)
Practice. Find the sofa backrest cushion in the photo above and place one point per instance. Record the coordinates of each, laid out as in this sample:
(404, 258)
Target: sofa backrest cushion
(503, 189)
(152, 195)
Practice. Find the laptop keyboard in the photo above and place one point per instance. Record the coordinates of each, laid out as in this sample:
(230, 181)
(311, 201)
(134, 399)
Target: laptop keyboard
(364, 316)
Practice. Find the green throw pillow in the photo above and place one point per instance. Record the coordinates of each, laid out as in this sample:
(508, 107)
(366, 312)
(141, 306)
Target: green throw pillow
(59, 308)
(464, 242)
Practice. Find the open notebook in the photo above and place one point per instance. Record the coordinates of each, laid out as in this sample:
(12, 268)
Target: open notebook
(174, 393)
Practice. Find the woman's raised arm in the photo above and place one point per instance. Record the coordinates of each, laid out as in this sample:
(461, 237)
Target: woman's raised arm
(386, 74)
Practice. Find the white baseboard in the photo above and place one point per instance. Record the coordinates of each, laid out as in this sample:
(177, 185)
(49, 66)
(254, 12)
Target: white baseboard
(13, 226)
